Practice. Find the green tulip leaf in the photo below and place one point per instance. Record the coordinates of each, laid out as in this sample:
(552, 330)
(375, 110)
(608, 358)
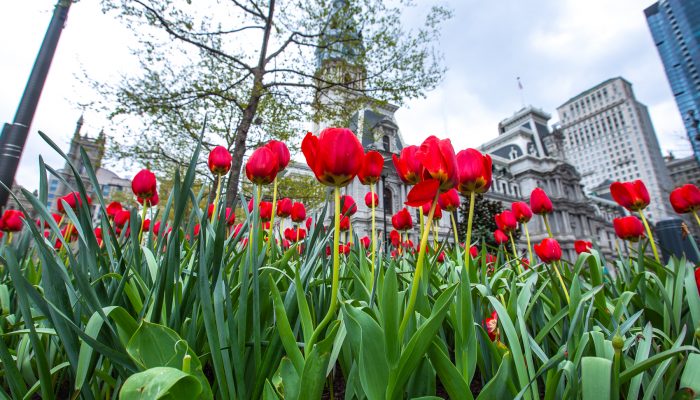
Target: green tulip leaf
(161, 383)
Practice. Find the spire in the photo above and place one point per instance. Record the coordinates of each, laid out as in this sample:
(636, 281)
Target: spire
(78, 127)
(342, 39)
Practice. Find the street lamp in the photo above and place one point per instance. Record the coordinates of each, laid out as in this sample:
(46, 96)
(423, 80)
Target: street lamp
(384, 210)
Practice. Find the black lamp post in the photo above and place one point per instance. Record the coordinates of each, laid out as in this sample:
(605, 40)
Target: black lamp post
(384, 210)
(14, 135)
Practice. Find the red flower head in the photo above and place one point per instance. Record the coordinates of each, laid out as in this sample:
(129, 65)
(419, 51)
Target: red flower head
(629, 228)
(548, 250)
(394, 254)
(113, 208)
(474, 251)
(582, 246)
(499, 237)
(286, 244)
(149, 202)
(402, 220)
(291, 234)
(347, 205)
(395, 238)
(146, 225)
(210, 210)
(197, 228)
(491, 326)
(230, 216)
(631, 195)
(408, 244)
(371, 199)
(525, 263)
(437, 215)
(237, 229)
(284, 208)
(490, 259)
(144, 184)
(697, 278)
(365, 242)
(56, 217)
(298, 212)
(685, 198)
(280, 150)
(11, 221)
(122, 218)
(262, 166)
(335, 156)
(372, 165)
(506, 221)
(309, 222)
(344, 223)
(440, 172)
(344, 249)
(407, 165)
(474, 171)
(441, 257)
(265, 211)
(540, 202)
(449, 201)
(219, 161)
(73, 200)
(522, 211)
(156, 228)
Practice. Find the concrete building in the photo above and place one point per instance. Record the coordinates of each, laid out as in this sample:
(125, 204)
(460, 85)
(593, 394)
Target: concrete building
(608, 135)
(674, 26)
(683, 170)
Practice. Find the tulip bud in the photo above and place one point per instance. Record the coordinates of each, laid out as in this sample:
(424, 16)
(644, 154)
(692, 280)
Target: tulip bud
(402, 220)
(371, 200)
(281, 151)
(347, 205)
(630, 195)
(474, 171)
(548, 250)
(506, 221)
(407, 165)
(219, 161)
(144, 184)
(449, 201)
(629, 228)
(262, 166)
(11, 221)
(582, 246)
(522, 211)
(298, 212)
(500, 237)
(335, 156)
(685, 199)
(540, 202)
(365, 242)
(284, 208)
(372, 165)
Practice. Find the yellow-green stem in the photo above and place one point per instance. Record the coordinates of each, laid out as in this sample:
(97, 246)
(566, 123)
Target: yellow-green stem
(515, 253)
(697, 219)
(529, 246)
(419, 270)
(272, 217)
(374, 233)
(420, 221)
(561, 280)
(454, 230)
(435, 237)
(546, 224)
(216, 199)
(651, 236)
(468, 241)
(335, 279)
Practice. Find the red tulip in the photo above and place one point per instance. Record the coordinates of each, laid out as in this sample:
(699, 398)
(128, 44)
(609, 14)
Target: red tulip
(219, 161)
(437, 215)
(522, 211)
(73, 200)
(265, 211)
(284, 208)
(491, 326)
(408, 244)
(344, 249)
(281, 151)
(156, 228)
(686, 198)
(11, 221)
(548, 250)
(56, 218)
(525, 263)
(371, 199)
(121, 218)
(395, 237)
(347, 205)
(506, 221)
(631, 195)
(407, 165)
(146, 225)
(500, 237)
(697, 278)
(441, 257)
(113, 208)
(628, 228)
(474, 171)
(298, 212)
(365, 242)
(449, 201)
(372, 166)
(335, 156)
(149, 202)
(540, 202)
(309, 221)
(474, 251)
(291, 234)
(344, 223)
(144, 184)
(394, 254)
(197, 228)
(440, 172)
(262, 166)
(490, 259)
(582, 246)
(402, 220)
(237, 229)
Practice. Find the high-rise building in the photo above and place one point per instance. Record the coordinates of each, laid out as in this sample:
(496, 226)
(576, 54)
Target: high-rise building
(608, 135)
(675, 27)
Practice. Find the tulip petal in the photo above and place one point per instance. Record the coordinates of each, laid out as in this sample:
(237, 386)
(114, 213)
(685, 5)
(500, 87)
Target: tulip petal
(423, 193)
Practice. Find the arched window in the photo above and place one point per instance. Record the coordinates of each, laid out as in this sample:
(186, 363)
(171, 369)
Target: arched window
(387, 143)
(388, 201)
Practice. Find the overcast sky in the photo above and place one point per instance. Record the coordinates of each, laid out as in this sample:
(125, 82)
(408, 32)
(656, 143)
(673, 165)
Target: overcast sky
(558, 48)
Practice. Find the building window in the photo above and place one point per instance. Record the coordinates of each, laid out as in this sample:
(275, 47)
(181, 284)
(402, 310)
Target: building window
(388, 201)
(387, 143)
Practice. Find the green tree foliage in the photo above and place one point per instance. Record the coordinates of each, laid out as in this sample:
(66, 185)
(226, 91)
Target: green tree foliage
(252, 66)
(483, 224)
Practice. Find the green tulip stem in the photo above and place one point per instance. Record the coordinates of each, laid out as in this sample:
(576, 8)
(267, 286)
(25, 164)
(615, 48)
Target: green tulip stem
(651, 236)
(272, 217)
(420, 221)
(529, 246)
(546, 224)
(419, 270)
(697, 219)
(515, 253)
(336, 277)
(143, 217)
(374, 233)
(561, 280)
(216, 199)
(454, 230)
(468, 241)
